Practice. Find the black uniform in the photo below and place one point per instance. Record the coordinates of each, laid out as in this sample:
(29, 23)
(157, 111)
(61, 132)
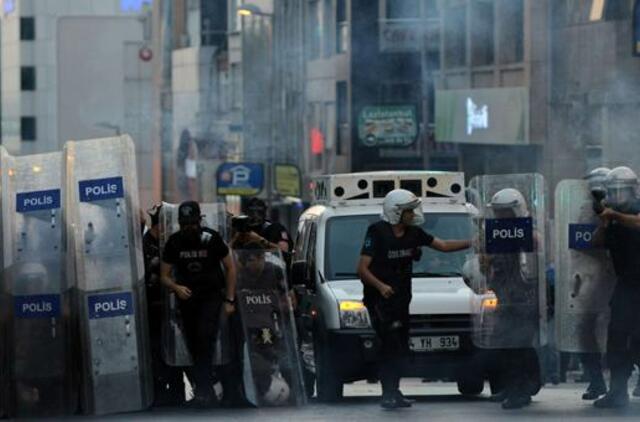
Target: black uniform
(623, 244)
(516, 325)
(392, 263)
(196, 259)
(167, 380)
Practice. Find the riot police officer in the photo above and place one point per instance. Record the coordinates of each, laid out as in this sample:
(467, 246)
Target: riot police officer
(385, 268)
(168, 381)
(192, 268)
(592, 362)
(619, 231)
(272, 231)
(514, 282)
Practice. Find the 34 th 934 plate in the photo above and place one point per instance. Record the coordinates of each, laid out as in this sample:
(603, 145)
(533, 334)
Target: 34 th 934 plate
(434, 343)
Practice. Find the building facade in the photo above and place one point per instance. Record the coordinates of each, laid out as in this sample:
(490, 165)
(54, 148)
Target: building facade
(63, 78)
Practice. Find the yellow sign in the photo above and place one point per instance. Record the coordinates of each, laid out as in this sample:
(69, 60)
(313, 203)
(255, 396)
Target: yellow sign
(287, 180)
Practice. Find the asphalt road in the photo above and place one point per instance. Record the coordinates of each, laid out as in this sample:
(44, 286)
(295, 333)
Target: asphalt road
(434, 402)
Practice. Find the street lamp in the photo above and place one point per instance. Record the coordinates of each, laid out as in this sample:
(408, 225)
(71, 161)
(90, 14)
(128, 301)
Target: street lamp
(251, 10)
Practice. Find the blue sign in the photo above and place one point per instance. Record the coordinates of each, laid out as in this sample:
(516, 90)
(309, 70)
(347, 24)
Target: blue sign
(37, 201)
(38, 306)
(581, 236)
(245, 179)
(133, 5)
(509, 235)
(101, 189)
(110, 305)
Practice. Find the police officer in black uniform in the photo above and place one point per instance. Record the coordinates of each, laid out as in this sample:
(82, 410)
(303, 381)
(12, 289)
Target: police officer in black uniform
(619, 231)
(192, 268)
(385, 268)
(272, 231)
(168, 381)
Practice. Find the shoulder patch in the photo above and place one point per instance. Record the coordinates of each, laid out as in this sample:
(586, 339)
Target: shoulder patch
(205, 237)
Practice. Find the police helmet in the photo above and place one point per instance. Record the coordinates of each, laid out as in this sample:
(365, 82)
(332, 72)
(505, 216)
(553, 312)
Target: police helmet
(278, 392)
(622, 185)
(399, 200)
(509, 199)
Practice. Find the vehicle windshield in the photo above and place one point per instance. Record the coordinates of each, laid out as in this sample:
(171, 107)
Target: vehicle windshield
(345, 235)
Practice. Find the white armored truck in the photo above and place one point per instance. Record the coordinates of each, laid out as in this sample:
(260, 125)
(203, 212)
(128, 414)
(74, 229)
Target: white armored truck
(329, 239)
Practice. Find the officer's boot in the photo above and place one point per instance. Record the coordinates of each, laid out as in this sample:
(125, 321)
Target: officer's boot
(597, 386)
(618, 396)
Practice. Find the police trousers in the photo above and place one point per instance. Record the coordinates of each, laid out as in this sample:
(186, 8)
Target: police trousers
(623, 345)
(391, 324)
(200, 318)
(168, 383)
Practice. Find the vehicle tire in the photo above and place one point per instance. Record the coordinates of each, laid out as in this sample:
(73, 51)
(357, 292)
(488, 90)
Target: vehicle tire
(470, 386)
(329, 387)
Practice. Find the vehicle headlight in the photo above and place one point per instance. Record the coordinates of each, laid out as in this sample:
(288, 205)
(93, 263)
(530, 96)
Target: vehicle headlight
(490, 303)
(353, 314)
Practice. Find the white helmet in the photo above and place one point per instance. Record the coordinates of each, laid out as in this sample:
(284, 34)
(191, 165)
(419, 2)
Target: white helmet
(622, 185)
(399, 200)
(278, 392)
(596, 178)
(509, 199)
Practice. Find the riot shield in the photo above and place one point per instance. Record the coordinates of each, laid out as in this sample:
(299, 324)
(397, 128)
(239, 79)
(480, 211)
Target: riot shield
(272, 369)
(105, 238)
(584, 275)
(38, 347)
(174, 346)
(509, 308)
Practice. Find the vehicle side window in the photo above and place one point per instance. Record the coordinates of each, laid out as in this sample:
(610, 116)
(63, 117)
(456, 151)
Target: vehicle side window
(311, 249)
(301, 240)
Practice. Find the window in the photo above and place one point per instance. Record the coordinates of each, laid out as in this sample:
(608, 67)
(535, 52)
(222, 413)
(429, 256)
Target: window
(28, 129)
(342, 120)
(342, 27)
(314, 30)
(403, 9)
(511, 31)
(482, 25)
(27, 28)
(455, 36)
(236, 86)
(28, 78)
(327, 33)
(345, 234)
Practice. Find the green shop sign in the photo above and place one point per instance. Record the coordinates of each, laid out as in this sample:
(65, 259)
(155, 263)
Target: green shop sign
(388, 126)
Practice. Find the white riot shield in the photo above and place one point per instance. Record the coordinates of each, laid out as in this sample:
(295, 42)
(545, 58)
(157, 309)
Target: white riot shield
(510, 302)
(272, 367)
(104, 235)
(38, 350)
(584, 274)
(5, 306)
(174, 346)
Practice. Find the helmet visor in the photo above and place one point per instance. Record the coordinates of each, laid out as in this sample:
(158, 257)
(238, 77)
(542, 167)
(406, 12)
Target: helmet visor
(620, 196)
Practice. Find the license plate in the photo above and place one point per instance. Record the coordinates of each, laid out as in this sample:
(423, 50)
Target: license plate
(434, 343)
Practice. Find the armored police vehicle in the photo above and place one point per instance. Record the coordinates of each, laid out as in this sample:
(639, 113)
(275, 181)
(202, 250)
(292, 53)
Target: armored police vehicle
(327, 250)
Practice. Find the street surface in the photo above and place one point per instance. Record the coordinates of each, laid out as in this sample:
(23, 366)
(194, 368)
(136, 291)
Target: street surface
(435, 402)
